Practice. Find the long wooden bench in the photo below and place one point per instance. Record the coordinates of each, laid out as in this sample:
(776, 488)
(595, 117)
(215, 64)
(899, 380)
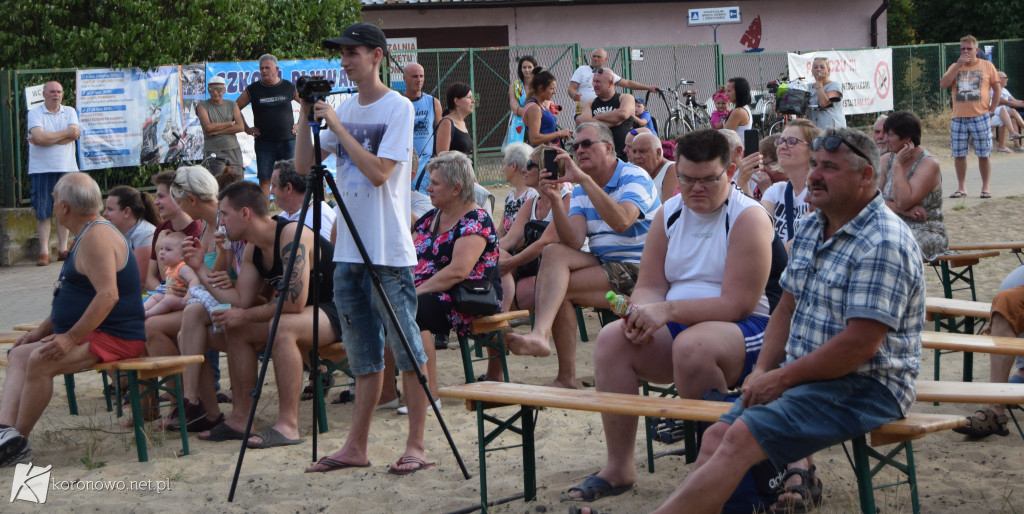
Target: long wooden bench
(145, 375)
(530, 398)
(1014, 247)
(956, 316)
(947, 268)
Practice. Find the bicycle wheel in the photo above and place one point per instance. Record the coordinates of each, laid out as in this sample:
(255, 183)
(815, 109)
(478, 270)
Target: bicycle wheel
(777, 127)
(674, 128)
(702, 120)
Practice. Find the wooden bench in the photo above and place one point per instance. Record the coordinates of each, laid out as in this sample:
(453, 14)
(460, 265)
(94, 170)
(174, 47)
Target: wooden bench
(1014, 247)
(531, 398)
(956, 316)
(146, 375)
(946, 267)
(485, 331)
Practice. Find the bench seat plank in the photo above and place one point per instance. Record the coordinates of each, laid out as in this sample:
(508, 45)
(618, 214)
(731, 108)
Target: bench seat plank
(972, 343)
(958, 260)
(27, 327)
(970, 392)
(10, 337)
(991, 245)
(914, 426)
(954, 307)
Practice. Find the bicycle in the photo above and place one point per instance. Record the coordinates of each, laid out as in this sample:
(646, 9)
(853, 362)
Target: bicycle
(772, 121)
(686, 115)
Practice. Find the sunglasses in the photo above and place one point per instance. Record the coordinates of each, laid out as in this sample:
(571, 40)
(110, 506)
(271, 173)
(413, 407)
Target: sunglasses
(217, 88)
(585, 143)
(788, 141)
(706, 182)
(831, 144)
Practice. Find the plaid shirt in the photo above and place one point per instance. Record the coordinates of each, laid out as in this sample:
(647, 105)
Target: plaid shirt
(870, 268)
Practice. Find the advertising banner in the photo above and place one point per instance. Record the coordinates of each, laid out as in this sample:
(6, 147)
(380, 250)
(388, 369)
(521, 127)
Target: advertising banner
(866, 76)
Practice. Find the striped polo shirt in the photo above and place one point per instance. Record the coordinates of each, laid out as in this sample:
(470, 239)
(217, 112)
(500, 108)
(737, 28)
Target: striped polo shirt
(628, 184)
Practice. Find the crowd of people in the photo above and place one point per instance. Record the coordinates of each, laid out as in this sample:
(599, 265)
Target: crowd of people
(791, 272)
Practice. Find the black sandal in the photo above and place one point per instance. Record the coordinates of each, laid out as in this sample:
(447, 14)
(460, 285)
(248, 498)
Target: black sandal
(327, 379)
(809, 490)
(985, 423)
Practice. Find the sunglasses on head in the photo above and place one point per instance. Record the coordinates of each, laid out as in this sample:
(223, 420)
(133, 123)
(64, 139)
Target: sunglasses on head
(831, 144)
(788, 141)
(585, 143)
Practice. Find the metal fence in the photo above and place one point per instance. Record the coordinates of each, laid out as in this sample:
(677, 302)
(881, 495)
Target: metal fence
(489, 71)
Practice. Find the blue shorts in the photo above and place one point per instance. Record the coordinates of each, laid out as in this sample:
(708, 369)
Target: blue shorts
(42, 193)
(269, 152)
(753, 336)
(816, 415)
(364, 322)
(975, 128)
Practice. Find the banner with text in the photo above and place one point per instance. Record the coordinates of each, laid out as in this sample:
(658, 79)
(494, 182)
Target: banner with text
(238, 76)
(866, 76)
(129, 116)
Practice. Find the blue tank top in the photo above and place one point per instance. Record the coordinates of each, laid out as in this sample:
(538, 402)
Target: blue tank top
(72, 297)
(548, 121)
(422, 133)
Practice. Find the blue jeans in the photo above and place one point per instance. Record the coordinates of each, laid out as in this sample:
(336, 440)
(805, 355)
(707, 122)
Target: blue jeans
(364, 318)
(816, 415)
(269, 152)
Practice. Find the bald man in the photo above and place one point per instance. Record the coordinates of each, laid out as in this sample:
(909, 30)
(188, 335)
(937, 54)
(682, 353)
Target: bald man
(428, 113)
(52, 132)
(580, 86)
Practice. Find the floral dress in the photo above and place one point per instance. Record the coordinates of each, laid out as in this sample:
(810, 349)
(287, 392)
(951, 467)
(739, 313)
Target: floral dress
(434, 252)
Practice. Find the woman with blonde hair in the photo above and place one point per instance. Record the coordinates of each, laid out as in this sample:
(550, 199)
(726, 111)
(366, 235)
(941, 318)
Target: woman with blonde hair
(826, 109)
(787, 201)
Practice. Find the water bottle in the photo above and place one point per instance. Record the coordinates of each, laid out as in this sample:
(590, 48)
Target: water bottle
(620, 304)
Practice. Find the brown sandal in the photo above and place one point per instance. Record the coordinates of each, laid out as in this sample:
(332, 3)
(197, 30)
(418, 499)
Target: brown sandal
(985, 423)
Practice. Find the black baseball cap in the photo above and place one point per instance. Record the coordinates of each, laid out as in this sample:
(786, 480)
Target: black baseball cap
(359, 34)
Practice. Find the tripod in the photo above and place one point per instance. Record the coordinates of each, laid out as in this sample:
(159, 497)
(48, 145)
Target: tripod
(315, 191)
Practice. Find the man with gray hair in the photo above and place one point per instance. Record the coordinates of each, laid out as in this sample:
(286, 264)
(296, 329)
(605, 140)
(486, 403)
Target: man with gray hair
(273, 123)
(95, 316)
(878, 134)
(612, 204)
(645, 152)
(289, 190)
(849, 336)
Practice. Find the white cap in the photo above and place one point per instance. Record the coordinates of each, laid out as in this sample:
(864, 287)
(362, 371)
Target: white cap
(216, 80)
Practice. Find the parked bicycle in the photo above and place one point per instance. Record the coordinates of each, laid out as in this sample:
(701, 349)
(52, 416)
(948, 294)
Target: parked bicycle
(685, 115)
(783, 101)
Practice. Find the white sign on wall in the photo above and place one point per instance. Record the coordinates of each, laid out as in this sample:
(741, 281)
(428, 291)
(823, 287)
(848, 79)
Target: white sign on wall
(714, 16)
(34, 96)
(866, 76)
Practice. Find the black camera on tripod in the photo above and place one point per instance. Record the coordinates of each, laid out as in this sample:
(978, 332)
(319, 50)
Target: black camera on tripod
(312, 88)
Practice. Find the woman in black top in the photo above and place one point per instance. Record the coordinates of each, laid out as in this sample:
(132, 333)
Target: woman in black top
(452, 133)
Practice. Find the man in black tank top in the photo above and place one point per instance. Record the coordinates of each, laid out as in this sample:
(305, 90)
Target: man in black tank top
(273, 122)
(244, 214)
(614, 110)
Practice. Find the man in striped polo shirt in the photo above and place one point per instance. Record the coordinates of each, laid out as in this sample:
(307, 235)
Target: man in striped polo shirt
(612, 205)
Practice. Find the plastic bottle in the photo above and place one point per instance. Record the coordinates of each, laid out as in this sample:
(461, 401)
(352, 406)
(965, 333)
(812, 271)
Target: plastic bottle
(579, 107)
(620, 304)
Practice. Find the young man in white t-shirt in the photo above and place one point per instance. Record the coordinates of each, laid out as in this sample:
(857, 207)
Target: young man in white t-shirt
(371, 138)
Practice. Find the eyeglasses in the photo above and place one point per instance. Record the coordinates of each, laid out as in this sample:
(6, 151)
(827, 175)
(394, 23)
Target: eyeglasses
(585, 143)
(217, 88)
(788, 141)
(831, 144)
(706, 182)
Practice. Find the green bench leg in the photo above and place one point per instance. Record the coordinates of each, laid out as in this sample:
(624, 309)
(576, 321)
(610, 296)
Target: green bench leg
(581, 323)
(137, 419)
(179, 394)
(529, 454)
(474, 345)
(69, 386)
(862, 453)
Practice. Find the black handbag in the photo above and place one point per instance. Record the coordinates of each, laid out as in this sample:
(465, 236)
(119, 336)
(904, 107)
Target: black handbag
(531, 233)
(794, 101)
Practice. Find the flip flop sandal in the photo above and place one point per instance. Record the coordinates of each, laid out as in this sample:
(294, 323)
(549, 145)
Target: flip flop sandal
(335, 465)
(327, 379)
(345, 396)
(594, 488)
(223, 432)
(421, 464)
(809, 490)
(958, 194)
(986, 195)
(272, 438)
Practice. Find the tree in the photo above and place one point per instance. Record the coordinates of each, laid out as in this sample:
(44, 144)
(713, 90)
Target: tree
(943, 21)
(147, 33)
(899, 26)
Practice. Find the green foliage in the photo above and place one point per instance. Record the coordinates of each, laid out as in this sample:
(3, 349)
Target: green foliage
(943, 21)
(899, 26)
(147, 33)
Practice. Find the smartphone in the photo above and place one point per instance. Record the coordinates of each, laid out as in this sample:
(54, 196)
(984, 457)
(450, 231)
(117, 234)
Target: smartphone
(551, 165)
(751, 141)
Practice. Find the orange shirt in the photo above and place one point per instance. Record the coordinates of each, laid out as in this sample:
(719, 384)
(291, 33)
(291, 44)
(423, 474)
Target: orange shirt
(972, 89)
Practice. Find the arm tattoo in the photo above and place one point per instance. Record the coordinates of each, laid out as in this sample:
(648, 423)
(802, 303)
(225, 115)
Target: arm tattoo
(296, 282)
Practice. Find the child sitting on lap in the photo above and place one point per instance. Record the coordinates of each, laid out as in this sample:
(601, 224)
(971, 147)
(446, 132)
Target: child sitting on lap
(176, 274)
(721, 110)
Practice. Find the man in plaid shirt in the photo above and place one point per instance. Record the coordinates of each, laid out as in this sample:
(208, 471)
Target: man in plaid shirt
(841, 352)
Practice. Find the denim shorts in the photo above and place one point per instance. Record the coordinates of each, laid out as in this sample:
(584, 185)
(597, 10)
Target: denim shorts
(975, 128)
(364, 319)
(42, 193)
(753, 336)
(269, 152)
(816, 415)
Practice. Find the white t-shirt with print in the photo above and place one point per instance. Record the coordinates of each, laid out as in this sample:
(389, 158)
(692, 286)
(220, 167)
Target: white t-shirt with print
(776, 194)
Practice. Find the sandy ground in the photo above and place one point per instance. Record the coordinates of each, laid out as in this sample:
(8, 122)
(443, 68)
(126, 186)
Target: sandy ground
(953, 473)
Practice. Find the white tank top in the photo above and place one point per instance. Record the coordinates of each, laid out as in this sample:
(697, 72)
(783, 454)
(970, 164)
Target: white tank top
(750, 123)
(697, 247)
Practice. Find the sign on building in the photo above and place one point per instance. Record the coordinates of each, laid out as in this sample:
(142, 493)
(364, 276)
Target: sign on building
(714, 16)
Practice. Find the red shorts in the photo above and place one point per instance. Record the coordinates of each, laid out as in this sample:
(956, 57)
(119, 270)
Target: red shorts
(111, 348)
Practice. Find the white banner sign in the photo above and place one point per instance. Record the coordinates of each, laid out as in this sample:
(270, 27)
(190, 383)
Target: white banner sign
(866, 76)
(714, 16)
(400, 58)
(34, 96)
